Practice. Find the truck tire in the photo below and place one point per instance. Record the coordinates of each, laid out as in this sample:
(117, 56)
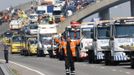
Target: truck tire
(51, 54)
(132, 62)
(90, 56)
(40, 53)
(107, 58)
(21, 52)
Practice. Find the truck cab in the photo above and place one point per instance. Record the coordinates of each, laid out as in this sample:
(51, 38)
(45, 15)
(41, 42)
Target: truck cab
(17, 43)
(121, 41)
(86, 40)
(45, 33)
(100, 41)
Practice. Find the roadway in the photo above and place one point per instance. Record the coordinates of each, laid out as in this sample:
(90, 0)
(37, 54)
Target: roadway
(49, 66)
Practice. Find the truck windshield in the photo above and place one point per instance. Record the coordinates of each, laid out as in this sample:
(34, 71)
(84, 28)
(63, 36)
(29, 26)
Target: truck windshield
(74, 35)
(102, 32)
(8, 35)
(46, 40)
(56, 12)
(40, 12)
(33, 27)
(124, 31)
(18, 39)
(33, 41)
(86, 32)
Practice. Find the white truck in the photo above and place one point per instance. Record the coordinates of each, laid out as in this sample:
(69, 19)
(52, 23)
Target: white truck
(100, 41)
(15, 24)
(121, 41)
(86, 30)
(45, 40)
(57, 12)
(44, 10)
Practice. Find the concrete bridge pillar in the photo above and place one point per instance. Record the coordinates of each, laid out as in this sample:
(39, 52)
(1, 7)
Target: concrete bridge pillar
(132, 7)
(104, 14)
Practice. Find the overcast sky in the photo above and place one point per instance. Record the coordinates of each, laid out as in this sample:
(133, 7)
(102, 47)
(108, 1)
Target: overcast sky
(7, 3)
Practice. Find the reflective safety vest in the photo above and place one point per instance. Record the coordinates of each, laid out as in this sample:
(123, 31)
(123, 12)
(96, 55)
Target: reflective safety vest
(73, 45)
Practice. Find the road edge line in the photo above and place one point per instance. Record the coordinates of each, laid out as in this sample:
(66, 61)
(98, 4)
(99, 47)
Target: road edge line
(23, 66)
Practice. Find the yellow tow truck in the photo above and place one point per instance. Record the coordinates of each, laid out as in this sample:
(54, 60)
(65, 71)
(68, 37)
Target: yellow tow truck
(30, 46)
(17, 43)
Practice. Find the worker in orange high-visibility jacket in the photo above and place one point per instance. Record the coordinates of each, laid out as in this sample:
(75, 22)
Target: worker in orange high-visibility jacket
(60, 51)
(69, 48)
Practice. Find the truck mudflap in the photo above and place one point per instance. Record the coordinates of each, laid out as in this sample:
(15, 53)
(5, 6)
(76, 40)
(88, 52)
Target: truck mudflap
(120, 56)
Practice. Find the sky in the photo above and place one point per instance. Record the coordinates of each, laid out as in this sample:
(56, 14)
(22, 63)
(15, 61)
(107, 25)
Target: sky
(7, 3)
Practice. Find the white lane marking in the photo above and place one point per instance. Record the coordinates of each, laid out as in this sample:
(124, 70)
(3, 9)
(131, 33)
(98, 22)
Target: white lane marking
(128, 73)
(40, 73)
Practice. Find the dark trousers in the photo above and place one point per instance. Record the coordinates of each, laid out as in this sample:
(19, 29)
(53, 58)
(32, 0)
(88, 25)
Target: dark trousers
(69, 65)
(6, 55)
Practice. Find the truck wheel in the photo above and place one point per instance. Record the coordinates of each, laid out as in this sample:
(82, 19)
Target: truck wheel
(107, 58)
(40, 53)
(132, 62)
(91, 56)
(50, 53)
(21, 52)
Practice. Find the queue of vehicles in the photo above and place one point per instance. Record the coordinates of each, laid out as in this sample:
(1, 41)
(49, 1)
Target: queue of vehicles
(111, 41)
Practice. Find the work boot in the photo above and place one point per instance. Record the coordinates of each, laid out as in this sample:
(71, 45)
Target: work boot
(67, 72)
(72, 72)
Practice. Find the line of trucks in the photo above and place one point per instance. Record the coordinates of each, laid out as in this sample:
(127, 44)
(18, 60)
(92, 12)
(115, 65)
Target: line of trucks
(108, 41)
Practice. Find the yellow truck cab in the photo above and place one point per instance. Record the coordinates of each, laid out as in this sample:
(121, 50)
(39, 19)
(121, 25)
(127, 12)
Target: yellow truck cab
(7, 38)
(30, 46)
(17, 43)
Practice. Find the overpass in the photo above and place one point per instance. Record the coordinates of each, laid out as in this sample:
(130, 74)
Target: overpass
(102, 7)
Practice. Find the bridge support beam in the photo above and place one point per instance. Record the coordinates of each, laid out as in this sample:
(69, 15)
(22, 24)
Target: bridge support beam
(104, 14)
(132, 7)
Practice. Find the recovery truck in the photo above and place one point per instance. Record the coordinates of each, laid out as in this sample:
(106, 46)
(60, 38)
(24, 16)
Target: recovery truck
(121, 41)
(45, 33)
(86, 30)
(30, 46)
(100, 41)
(17, 43)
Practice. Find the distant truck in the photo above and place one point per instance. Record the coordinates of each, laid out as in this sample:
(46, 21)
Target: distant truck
(45, 33)
(44, 10)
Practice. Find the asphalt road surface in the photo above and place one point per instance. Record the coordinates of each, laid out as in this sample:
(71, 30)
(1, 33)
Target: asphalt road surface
(49, 66)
